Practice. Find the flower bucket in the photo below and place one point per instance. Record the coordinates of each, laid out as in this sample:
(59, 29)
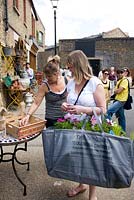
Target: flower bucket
(7, 51)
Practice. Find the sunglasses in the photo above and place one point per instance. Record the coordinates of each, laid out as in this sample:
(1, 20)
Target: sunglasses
(106, 73)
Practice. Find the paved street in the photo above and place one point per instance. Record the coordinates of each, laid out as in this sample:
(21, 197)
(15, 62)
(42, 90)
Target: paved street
(40, 186)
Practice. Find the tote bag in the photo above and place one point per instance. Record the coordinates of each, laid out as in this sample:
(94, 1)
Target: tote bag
(89, 157)
(127, 105)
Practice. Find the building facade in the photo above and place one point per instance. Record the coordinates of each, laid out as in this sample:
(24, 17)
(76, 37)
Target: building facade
(112, 48)
(22, 36)
(19, 23)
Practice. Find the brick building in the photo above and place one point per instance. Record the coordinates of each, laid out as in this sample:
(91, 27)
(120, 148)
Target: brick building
(19, 20)
(22, 31)
(112, 48)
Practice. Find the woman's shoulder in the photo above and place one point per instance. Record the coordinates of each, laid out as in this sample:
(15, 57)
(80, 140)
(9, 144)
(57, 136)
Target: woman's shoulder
(44, 86)
(93, 83)
(95, 80)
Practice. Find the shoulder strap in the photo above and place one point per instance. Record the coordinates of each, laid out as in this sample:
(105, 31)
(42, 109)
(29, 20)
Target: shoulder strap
(81, 91)
(46, 85)
(128, 84)
(128, 87)
(120, 82)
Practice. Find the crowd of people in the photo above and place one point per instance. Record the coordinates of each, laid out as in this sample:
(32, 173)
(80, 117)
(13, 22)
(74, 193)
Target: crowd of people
(116, 83)
(61, 92)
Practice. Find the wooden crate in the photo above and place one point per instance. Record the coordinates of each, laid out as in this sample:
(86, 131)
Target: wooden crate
(35, 125)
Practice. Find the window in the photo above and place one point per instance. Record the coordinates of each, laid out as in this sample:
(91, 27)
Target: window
(40, 38)
(33, 26)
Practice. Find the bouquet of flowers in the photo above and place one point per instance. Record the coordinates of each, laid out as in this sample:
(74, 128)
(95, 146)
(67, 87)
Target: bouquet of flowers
(71, 121)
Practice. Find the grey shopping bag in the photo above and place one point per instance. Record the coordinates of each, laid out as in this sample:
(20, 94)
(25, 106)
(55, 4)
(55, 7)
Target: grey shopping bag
(88, 157)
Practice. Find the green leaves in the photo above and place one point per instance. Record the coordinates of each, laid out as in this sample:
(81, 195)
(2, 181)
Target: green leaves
(91, 125)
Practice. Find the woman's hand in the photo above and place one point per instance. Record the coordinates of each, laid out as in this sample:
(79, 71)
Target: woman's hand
(65, 106)
(75, 109)
(24, 121)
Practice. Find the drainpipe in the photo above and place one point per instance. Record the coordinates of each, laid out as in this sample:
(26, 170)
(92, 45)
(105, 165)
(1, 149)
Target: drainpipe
(6, 17)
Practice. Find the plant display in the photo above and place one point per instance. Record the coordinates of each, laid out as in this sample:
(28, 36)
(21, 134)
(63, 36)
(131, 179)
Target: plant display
(88, 123)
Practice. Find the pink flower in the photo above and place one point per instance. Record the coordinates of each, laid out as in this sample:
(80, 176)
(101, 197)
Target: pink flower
(70, 117)
(93, 120)
(67, 116)
(61, 120)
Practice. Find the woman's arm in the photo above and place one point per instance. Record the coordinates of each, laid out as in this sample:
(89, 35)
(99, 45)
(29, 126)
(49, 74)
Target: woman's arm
(39, 97)
(99, 96)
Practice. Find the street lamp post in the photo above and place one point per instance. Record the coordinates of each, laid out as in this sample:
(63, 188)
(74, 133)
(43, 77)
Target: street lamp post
(54, 5)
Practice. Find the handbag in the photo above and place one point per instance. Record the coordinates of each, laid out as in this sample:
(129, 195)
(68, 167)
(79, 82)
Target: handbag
(88, 157)
(127, 105)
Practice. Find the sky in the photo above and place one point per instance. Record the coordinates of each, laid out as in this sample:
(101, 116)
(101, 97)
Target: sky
(83, 18)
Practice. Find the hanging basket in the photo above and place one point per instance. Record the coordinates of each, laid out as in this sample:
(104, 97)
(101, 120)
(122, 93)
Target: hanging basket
(7, 51)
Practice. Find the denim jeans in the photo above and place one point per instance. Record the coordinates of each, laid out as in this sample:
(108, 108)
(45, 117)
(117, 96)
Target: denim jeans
(117, 109)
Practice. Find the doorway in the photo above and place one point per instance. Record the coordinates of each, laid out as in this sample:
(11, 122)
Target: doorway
(95, 64)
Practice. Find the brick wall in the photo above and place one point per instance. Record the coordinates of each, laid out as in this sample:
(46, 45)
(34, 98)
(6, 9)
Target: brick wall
(116, 52)
(65, 47)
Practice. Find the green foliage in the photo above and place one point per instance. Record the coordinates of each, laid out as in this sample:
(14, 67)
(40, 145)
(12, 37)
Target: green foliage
(64, 125)
(107, 126)
(132, 135)
(118, 130)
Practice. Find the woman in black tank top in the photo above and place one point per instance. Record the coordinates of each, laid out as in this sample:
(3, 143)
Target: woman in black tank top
(54, 90)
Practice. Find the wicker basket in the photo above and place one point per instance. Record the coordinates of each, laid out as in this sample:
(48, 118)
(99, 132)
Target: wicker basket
(35, 125)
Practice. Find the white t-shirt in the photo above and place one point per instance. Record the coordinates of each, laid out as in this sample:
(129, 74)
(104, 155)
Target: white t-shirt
(30, 73)
(86, 97)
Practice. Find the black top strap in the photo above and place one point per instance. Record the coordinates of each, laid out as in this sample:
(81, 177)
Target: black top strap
(81, 91)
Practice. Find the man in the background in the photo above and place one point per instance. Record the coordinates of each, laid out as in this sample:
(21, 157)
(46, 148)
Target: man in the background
(121, 92)
(30, 72)
(113, 79)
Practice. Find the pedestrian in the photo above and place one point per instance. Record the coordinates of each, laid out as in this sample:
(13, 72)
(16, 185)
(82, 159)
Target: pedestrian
(92, 95)
(54, 90)
(67, 73)
(121, 95)
(113, 79)
(106, 84)
(30, 72)
(127, 74)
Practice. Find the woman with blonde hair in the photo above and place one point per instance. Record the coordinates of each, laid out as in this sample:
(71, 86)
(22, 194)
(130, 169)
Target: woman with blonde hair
(92, 96)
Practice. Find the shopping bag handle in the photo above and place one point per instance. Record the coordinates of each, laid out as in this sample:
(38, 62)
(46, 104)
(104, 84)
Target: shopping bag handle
(97, 118)
(85, 122)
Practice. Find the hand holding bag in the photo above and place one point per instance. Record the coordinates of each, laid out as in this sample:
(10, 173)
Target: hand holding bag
(89, 157)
